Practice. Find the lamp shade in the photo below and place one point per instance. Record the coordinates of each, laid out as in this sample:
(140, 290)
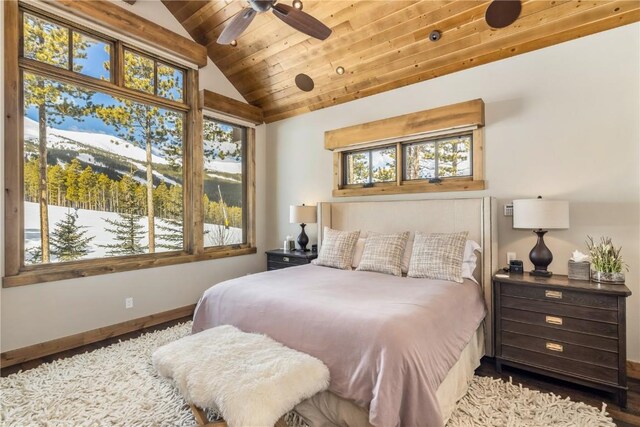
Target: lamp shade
(540, 214)
(302, 214)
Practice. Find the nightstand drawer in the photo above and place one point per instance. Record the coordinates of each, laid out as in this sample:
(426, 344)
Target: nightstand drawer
(583, 299)
(566, 323)
(560, 364)
(553, 308)
(561, 349)
(556, 334)
(287, 260)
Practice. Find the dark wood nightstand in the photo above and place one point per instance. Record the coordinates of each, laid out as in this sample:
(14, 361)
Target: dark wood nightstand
(277, 258)
(568, 329)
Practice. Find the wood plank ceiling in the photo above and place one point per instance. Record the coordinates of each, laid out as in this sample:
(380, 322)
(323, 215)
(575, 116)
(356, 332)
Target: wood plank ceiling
(382, 45)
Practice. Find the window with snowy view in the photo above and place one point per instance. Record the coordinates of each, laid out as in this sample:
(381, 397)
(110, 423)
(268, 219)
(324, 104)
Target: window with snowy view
(103, 172)
(224, 194)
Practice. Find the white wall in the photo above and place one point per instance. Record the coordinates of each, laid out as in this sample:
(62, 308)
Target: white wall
(36, 313)
(562, 122)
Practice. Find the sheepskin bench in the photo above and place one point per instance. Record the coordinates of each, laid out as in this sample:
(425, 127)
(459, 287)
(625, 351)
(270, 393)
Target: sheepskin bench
(250, 379)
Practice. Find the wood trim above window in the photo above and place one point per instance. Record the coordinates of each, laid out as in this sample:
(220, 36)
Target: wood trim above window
(401, 130)
(230, 107)
(110, 16)
(463, 114)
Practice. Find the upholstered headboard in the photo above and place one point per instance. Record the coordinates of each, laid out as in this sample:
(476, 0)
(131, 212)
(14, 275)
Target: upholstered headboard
(477, 216)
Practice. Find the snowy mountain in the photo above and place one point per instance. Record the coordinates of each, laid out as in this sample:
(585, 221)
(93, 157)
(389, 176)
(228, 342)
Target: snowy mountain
(80, 142)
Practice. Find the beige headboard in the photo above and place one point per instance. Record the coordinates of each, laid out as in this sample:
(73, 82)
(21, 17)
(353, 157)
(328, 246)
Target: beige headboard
(477, 216)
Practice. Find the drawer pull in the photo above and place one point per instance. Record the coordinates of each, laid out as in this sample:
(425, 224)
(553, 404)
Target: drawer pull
(553, 294)
(554, 347)
(553, 320)
(285, 258)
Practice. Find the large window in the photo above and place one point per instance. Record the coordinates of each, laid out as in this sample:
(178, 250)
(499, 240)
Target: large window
(224, 183)
(106, 133)
(102, 173)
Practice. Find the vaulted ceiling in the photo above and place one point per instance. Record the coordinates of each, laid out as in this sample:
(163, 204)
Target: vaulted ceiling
(382, 45)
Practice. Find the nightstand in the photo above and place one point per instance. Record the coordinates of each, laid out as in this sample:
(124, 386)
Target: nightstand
(568, 329)
(277, 258)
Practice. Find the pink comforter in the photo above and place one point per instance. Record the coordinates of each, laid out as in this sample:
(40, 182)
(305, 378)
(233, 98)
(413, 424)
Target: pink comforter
(388, 341)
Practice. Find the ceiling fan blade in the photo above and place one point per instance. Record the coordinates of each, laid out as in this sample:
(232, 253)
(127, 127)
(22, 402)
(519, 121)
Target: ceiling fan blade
(238, 24)
(301, 21)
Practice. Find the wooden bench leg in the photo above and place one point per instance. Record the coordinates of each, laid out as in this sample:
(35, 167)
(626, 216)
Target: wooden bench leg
(203, 421)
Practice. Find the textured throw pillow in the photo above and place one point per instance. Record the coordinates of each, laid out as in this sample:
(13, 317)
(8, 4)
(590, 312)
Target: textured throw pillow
(383, 253)
(337, 248)
(438, 256)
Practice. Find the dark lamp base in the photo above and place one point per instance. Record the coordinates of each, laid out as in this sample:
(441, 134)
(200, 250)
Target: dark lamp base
(541, 273)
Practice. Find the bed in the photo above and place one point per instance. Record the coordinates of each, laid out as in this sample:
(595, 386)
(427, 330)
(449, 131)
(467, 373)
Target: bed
(400, 350)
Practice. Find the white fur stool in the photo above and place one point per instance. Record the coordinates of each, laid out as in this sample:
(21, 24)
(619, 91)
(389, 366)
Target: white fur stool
(250, 379)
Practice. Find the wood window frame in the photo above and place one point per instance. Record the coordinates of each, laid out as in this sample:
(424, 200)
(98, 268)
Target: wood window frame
(436, 123)
(16, 273)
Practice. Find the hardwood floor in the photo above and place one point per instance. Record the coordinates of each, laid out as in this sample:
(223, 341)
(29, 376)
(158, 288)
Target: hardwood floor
(623, 417)
(89, 347)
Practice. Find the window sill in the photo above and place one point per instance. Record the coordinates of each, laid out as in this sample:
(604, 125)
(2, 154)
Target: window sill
(412, 187)
(73, 270)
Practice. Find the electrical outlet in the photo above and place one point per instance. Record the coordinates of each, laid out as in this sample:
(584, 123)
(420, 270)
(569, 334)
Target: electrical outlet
(510, 256)
(508, 209)
(128, 302)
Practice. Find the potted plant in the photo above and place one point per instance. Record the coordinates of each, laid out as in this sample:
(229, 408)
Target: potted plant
(606, 262)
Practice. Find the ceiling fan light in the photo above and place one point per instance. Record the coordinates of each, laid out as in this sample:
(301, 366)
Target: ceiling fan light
(297, 4)
(340, 70)
(234, 43)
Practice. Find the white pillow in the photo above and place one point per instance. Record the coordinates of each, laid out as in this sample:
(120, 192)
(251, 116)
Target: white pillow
(469, 259)
(358, 251)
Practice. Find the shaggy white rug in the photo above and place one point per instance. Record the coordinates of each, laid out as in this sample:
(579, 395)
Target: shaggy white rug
(118, 386)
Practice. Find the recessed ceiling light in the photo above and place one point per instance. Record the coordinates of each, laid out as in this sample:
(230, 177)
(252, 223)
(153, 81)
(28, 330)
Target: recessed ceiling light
(297, 4)
(340, 70)
(234, 43)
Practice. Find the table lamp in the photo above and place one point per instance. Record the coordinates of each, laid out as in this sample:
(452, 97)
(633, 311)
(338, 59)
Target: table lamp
(302, 215)
(540, 215)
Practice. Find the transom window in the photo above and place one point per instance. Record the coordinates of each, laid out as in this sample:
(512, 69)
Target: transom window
(427, 151)
(370, 166)
(431, 160)
(440, 158)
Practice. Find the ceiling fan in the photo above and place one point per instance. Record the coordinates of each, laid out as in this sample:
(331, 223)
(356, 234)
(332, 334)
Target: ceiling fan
(292, 16)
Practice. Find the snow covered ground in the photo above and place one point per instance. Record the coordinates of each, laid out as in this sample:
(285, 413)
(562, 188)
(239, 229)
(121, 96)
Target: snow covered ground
(95, 221)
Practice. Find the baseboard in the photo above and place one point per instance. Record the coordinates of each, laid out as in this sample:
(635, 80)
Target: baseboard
(36, 351)
(633, 369)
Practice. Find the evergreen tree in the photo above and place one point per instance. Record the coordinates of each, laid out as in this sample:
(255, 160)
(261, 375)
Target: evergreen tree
(33, 255)
(172, 233)
(145, 125)
(127, 231)
(72, 173)
(68, 241)
(53, 100)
